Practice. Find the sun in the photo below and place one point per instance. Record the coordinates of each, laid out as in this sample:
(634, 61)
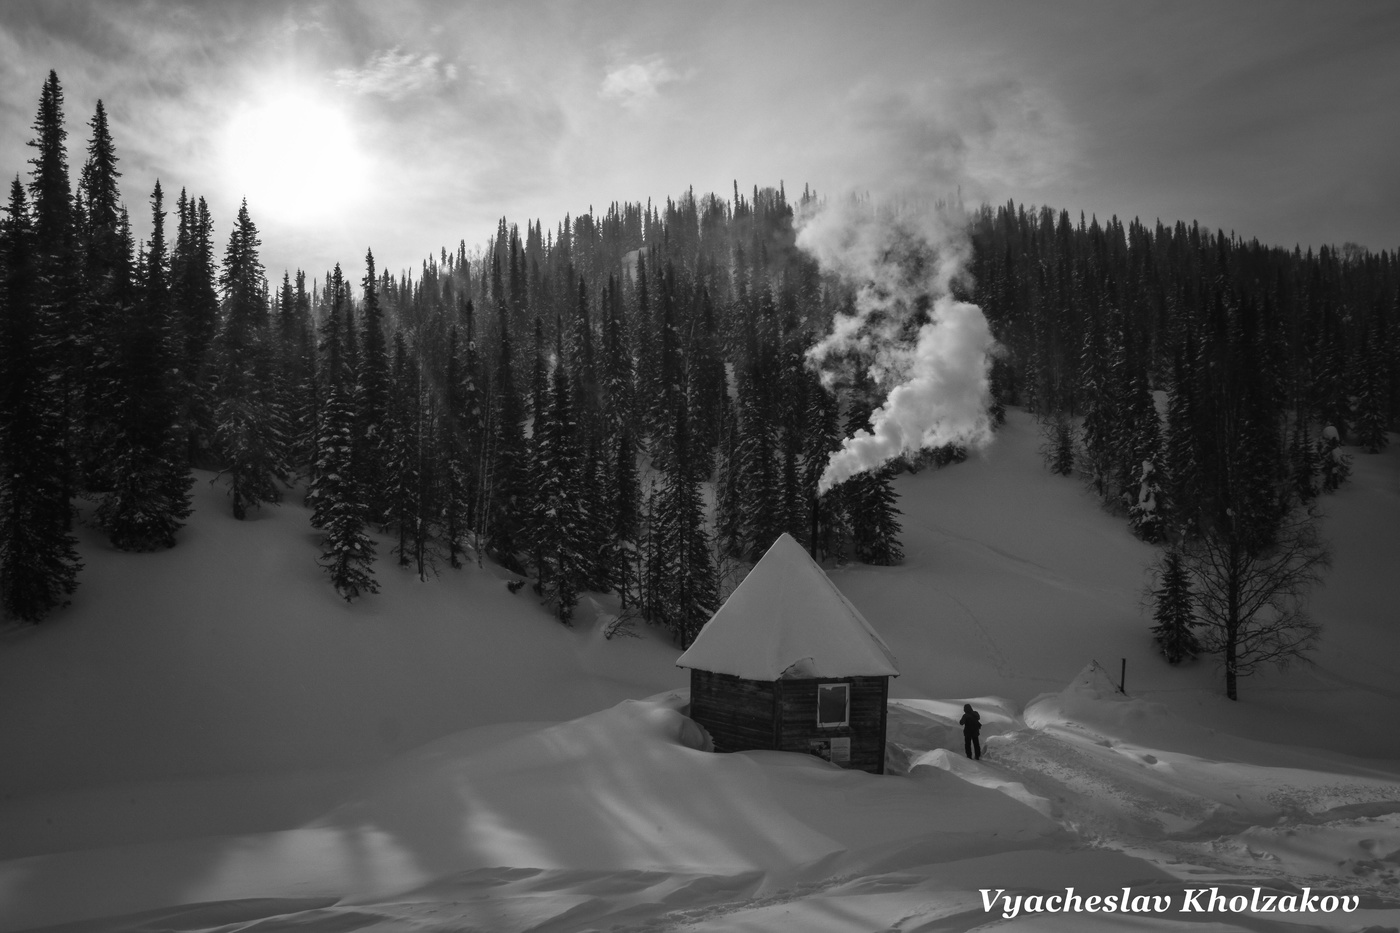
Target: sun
(295, 156)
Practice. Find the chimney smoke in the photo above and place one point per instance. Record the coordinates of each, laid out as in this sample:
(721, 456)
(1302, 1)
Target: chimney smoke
(930, 351)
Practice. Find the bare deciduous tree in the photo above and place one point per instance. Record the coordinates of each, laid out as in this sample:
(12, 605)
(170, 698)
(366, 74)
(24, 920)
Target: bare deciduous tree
(1251, 603)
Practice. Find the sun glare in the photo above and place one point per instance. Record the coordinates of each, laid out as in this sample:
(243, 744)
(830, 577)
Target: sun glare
(295, 157)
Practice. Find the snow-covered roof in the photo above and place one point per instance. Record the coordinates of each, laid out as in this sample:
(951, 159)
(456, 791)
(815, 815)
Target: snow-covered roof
(787, 617)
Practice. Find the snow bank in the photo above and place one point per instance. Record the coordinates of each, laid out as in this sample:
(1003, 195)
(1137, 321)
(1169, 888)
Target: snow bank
(1151, 772)
(627, 789)
(232, 655)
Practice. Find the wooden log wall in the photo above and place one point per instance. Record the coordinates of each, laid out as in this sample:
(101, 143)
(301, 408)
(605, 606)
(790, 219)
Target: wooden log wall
(865, 728)
(738, 713)
(744, 714)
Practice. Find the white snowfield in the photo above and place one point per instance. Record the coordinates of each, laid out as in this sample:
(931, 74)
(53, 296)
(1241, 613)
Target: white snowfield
(210, 740)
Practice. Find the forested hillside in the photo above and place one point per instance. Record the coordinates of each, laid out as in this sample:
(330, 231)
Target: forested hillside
(566, 399)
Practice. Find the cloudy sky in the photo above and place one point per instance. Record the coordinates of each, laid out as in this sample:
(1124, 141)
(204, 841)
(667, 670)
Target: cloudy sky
(406, 126)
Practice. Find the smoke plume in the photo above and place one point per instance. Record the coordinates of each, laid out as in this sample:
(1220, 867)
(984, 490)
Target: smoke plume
(928, 351)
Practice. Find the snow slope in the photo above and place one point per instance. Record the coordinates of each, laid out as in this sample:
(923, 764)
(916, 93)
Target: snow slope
(209, 739)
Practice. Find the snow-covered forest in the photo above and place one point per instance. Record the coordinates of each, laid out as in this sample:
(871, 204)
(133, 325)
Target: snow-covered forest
(607, 418)
(495, 402)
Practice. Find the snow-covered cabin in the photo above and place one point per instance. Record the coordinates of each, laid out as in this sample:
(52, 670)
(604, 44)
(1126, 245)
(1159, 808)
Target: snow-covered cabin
(788, 663)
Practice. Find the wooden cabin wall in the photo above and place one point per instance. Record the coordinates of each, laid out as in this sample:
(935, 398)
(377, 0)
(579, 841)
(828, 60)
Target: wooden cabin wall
(866, 728)
(742, 714)
(739, 714)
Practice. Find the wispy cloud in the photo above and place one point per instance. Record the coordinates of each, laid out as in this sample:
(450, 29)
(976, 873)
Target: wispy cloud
(636, 83)
(397, 75)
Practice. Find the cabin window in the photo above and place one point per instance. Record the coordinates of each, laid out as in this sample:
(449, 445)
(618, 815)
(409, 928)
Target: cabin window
(833, 704)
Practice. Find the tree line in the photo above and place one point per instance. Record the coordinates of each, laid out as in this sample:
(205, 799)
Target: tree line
(620, 403)
(560, 401)
(1267, 362)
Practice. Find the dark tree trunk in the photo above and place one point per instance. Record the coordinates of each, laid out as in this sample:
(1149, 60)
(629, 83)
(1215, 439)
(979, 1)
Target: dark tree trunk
(1232, 627)
(1231, 690)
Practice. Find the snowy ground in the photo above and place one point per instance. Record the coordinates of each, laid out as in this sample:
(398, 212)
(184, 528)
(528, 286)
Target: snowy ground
(210, 740)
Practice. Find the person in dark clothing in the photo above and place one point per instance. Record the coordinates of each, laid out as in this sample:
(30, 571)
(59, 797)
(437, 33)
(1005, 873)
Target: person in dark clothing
(972, 729)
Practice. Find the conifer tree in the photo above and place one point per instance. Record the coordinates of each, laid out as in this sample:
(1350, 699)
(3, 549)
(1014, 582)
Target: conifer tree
(427, 525)
(332, 476)
(49, 189)
(1333, 463)
(681, 568)
(870, 502)
(452, 446)
(476, 414)
(539, 377)
(350, 350)
(795, 505)
(411, 471)
(559, 534)
(1181, 451)
(625, 488)
(372, 396)
(706, 380)
(618, 388)
(652, 569)
(648, 377)
(506, 472)
(107, 271)
(1242, 493)
(1145, 513)
(823, 438)
(1373, 391)
(730, 524)
(1172, 610)
(149, 496)
(56, 291)
(1101, 360)
(347, 551)
(868, 499)
(307, 412)
(196, 305)
(102, 200)
(401, 448)
(1057, 443)
(583, 365)
(38, 554)
(597, 503)
(1140, 436)
(338, 508)
(1302, 462)
(1328, 397)
(758, 473)
(670, 383)
(248, 424)
(295, 392)
(1002, 390)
